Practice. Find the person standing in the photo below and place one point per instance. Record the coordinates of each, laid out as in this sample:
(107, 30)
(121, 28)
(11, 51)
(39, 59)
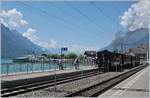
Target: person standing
(76, 64)
(60, 65)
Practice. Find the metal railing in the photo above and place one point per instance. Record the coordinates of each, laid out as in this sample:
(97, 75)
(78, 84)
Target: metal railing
(19, 68)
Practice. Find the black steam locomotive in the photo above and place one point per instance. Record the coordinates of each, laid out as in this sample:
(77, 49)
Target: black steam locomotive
(111, 61)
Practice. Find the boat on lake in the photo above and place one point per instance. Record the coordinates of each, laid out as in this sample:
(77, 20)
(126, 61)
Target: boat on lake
(26, 58)
(31, 58)
(21, 59)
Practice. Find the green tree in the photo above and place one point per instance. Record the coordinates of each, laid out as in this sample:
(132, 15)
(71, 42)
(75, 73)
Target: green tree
(55, 56)
(71, 55)
(48, 56)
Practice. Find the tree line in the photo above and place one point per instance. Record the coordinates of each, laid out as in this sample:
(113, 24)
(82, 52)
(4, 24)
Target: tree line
(64, 56)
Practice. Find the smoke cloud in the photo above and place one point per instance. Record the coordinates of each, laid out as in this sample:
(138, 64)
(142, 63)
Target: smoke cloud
(136, 16)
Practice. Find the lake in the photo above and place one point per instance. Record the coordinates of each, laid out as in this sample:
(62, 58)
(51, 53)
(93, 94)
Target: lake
(9, 67)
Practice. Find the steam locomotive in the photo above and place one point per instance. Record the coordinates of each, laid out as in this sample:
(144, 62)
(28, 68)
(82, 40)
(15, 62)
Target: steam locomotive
(112, 61)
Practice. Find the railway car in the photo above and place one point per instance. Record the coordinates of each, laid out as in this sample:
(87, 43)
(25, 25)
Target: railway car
(130, 61)
(137, 61)
(117, 62)
(127, 61)
(111, 61)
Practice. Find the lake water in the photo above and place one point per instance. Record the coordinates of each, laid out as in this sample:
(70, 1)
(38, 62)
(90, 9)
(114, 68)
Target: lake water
(8, 67)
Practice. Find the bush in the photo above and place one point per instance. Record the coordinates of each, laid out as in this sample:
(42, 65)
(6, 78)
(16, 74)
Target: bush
(54, 56)
(71, 56)
(66, 56)
(48, 55)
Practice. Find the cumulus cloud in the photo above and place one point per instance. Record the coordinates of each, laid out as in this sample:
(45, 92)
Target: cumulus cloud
(136, 16)
(31, 35)
(12, 19)
(51, 44)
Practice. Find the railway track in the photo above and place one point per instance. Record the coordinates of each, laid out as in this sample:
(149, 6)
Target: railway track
(36, 86)
(97, 89)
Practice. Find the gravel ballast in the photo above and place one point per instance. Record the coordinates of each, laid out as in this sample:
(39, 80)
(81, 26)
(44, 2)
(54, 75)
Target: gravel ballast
(66, 88)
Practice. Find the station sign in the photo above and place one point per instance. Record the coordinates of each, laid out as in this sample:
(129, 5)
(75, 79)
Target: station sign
(64, 49)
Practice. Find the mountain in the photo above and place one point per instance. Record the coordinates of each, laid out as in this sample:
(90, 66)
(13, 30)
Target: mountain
(14, 44)
(133, 39)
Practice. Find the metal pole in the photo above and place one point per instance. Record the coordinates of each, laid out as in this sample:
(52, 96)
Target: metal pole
(61, 65)
(115, 63)
(81, 71)
(43, 66)
(55, 81)
(27, 67)
(40, 66)
(20, 68)
(32, 67)
(7, 69)
(49, 65)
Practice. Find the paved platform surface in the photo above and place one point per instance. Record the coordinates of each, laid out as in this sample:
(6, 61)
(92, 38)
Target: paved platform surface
(135, 86)
(39, 74)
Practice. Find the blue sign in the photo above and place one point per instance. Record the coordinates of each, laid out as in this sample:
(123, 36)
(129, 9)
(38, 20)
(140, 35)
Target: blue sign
(64, 49)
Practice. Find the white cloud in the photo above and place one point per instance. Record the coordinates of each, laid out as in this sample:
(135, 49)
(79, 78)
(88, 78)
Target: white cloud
(51, 44)
(137, 16)
(31, 35)
(12, 19)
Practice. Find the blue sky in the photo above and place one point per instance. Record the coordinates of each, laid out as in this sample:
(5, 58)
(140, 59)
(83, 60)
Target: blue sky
(72, 23)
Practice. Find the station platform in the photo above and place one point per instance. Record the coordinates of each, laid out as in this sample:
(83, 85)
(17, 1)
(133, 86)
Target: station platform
(135, 86)
(45, 73)
(8, 81)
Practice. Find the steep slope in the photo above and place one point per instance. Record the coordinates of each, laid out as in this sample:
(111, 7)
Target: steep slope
(133, 39)
(139, 36)
(14, 44)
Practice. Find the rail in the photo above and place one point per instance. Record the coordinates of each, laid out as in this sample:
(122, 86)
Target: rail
(97, 89)
(36, 86)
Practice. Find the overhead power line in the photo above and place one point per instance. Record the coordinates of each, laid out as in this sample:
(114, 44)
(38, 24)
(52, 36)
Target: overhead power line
(101, 11)
(56, 17)
(48, 14)
(75, 18)
(84, 15)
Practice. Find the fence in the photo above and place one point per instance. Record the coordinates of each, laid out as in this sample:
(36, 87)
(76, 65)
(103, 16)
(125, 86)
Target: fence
(17, 68)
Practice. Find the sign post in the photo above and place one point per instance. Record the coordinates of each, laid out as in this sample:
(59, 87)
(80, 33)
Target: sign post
(64, 49)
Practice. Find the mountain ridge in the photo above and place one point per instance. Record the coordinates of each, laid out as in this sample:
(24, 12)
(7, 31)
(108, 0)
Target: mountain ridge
(132, 39)
(14, 44)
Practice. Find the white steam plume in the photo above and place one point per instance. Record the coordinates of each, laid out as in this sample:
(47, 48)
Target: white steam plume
(137, 16)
